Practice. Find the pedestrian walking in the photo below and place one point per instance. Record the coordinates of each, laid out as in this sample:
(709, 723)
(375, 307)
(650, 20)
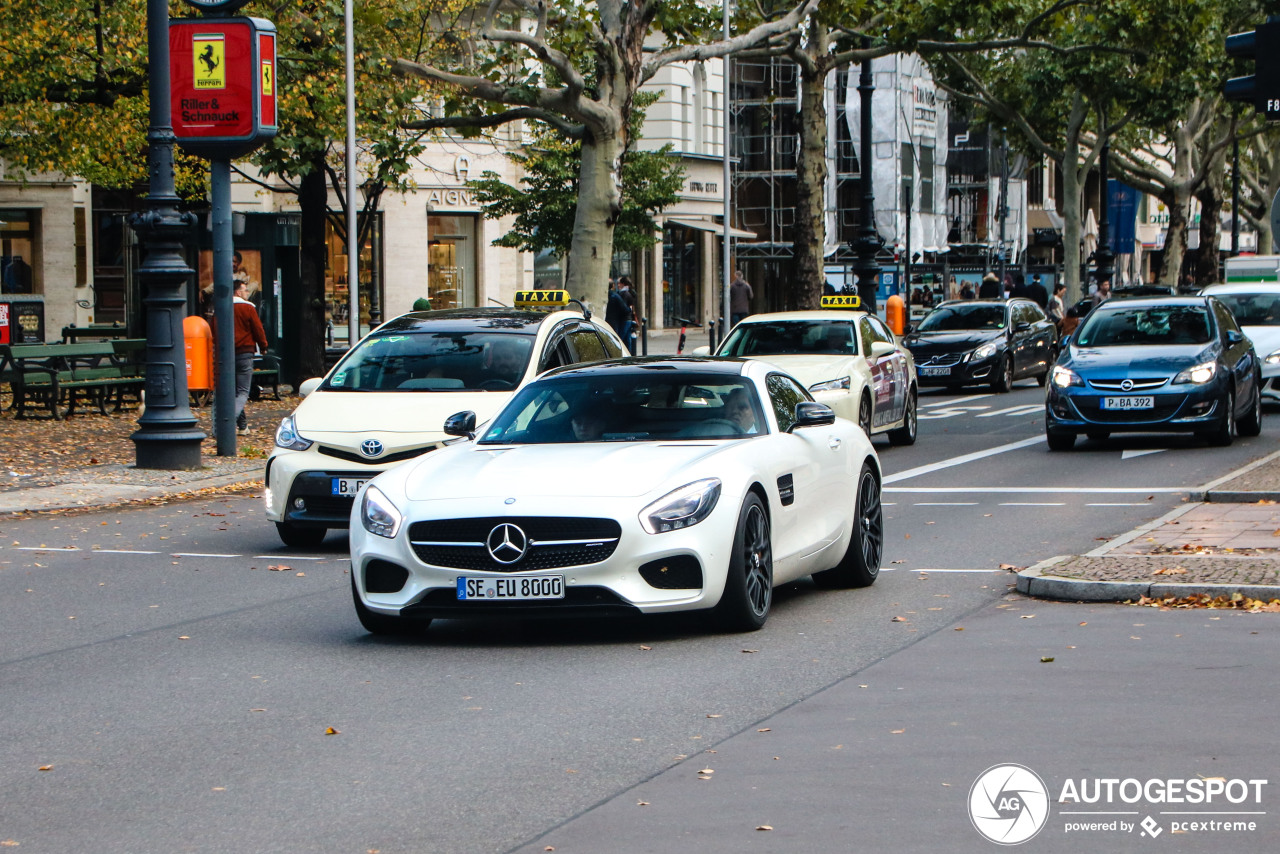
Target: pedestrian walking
(616, 312)
(250, 338)
(628, 326)
(1037, 293)
(1056, 308)
(966, 291)
(990, 287)
(739, 298)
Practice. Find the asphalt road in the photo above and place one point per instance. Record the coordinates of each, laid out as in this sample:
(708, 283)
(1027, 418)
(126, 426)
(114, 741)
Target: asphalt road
(177, 672)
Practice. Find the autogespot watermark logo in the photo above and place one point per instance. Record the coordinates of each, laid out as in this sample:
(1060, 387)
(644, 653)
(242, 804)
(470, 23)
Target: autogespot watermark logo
(1008, 804)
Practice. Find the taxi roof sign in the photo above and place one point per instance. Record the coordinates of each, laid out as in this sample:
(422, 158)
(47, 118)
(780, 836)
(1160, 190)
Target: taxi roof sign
(845, 301)
(541, 299)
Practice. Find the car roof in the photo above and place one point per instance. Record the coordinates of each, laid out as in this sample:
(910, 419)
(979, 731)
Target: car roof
(1242, 288)
(987, 301)
(728, 365)
(807, 314)
(477, 319)
(1139, 302)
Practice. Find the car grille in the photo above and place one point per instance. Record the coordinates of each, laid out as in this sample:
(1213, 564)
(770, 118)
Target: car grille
(1136, 384)
(940, 360)
(553, 542)
(1164, 409)
(399, 456)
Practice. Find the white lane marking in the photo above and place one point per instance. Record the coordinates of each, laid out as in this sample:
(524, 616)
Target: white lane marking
(904, 569)
(199, 554)
(1119, 504)
(888, 504)
(1014, 411)
(284, 557)
(953, 401)
(48, 548)
(1065, 490)
(961, 460)
(945, 504)
(1128, 455)
(951, 411)
(122, 552)
(1033, 504)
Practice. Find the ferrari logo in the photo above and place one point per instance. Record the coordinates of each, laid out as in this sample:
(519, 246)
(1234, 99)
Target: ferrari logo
(268, 80)
(208, 56)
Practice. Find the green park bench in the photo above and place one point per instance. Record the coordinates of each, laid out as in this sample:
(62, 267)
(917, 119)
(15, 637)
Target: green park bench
(97, 331)
(55, 376)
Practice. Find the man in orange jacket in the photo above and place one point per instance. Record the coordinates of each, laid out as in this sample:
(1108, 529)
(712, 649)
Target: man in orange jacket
(250, 337)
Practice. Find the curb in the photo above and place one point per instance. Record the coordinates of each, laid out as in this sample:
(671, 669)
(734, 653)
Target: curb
(82, 496)
(1033, 581)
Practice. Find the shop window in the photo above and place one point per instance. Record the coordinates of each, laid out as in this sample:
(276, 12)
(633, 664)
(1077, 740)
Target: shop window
(451, 261)
(338, 295)
(19, 238)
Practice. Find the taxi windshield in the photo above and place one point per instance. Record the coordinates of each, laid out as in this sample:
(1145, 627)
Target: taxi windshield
(633, 407)
(1254, 309)
(1146, 325)
(791, 337)
(434, 361)
(949, 318)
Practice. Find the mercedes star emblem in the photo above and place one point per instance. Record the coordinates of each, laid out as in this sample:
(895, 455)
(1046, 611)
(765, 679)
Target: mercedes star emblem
(507, 543)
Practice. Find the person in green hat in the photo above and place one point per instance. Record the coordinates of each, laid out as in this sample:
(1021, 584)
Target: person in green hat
(422, 304)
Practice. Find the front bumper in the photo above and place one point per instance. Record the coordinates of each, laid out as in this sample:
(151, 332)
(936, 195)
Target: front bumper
(1271, 382)
(307, 477)
(955, 372)
(1182, 408)
(391, 577)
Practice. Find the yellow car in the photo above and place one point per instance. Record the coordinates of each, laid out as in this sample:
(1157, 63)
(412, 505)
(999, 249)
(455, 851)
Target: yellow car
(846, 357)
(387, 400)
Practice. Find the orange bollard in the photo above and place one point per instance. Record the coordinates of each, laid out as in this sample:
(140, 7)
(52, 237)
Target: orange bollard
(895, 314)
(198, 338)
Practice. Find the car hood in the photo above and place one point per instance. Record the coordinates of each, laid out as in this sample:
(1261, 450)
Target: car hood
(1137, 360)
(952, 342)
(1266, 339)
(813, 368)
(590, 470)
(396, 418)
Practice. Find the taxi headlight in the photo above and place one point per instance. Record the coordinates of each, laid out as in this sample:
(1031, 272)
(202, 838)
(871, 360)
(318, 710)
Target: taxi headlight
(377, 513)
(986, 351)
(1198, 374)
(1273, 358)
(686, 506)
(1063, 377)
(287, 436)
(841, 384)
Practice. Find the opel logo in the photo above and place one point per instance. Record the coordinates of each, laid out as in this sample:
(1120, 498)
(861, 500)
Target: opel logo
(507, 543)
(1127, 385)
(371, 448)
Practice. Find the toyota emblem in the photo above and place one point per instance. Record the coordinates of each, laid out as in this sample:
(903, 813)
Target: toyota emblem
(1127, 385)
(371, 448)
(507, 543)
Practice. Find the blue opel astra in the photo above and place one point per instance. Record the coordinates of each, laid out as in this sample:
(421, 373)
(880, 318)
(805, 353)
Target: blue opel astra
(1172, 364)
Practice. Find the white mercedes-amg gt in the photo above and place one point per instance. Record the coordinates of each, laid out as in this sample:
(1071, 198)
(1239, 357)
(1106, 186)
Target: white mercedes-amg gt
(635, 486)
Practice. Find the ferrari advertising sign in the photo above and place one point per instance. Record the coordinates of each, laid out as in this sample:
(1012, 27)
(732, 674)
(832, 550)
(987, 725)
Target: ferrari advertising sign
(224, 89)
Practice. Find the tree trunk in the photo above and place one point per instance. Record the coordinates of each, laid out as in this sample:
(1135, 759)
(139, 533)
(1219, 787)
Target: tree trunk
(1177, 200)
(1211, 202)
(599, 203)
(1071, 208)
(310, 326)
(809, 234)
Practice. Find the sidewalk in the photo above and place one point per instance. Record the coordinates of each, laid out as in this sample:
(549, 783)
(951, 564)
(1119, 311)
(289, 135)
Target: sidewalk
(1225, 542)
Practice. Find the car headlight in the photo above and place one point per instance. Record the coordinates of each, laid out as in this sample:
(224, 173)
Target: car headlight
(841, 384)
(1273, 358)
(986, 351)
(287, 436)
(1063, 377)
(1198, 374)
(377, 513)
(686, 506)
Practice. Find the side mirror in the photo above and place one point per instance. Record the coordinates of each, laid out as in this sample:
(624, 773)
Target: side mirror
(704, 350)
(908, 329)
(810, 413)
(1021, 326)
(1065, 340)
(880, 349)
(1234, 337)
(460, 424)
(310, 385)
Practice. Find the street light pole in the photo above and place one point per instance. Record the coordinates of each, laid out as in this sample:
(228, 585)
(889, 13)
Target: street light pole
(353, 232)
(867, 243)
(168, 436)
(1105, 258)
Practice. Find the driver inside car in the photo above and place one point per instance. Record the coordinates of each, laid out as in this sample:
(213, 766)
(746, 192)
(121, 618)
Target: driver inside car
(738, 410)
(506, 361)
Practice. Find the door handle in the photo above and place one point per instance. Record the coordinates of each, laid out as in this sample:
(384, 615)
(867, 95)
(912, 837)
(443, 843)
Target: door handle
(833, 443)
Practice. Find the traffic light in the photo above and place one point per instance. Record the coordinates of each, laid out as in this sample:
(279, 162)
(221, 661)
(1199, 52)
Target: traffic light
(1262, 88)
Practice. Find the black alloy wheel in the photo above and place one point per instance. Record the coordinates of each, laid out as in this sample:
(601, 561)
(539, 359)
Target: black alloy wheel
(864, 415)
(748, 588)
(1002, 382)
(906, 434)
(860, 565)
(1225, 433)
(1251, 424)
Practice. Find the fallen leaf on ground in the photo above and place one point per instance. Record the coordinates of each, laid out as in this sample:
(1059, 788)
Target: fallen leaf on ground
(959, 628)
(715, 716)
(897, 731)
(1045, 659)
(279, 568)
(645, 648)
(46, 768)
(898, 620)
(332, 731)
(1028, 616)
(749, 651)
(642, 803)
(765, 827)
(764, 729)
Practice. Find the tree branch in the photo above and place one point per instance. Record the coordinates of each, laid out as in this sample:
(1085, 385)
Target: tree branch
(568, 129)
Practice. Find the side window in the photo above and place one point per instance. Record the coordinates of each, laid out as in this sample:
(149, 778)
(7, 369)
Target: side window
(784, 394)
(587, 345)
(610, 347)
(881, 331)
(866, 335)
(556, 353)
(1225, 319)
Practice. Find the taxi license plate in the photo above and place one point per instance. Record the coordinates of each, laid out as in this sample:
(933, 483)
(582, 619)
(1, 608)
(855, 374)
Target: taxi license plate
(935, 372)
(1142, 402)
(511, 589)
(348, 486)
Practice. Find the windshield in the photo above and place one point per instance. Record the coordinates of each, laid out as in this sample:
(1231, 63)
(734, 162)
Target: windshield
(790, 337)
(1146, 325)
(434, 361)
(1257, 309)
(952, 318)
(631, 407)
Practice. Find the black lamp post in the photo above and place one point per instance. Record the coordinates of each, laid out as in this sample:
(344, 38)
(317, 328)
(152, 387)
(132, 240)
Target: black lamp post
(1104, 258)
(168, 436)
(867, 243)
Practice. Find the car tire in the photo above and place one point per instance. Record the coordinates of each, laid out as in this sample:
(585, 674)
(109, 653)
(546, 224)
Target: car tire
(748, 587)
(860, 565)
(1059, 440)
(906, 434)
(382, 624)
(1251, 424)
(1225, 433)
(1099, 435)
(864, 415)
(1002, 382)
(298, 537)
